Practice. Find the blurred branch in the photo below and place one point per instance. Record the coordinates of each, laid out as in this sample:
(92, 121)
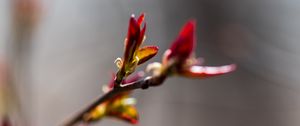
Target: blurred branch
(24, 19)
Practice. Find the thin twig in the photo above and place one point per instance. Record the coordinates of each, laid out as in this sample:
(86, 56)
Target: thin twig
(141, 84)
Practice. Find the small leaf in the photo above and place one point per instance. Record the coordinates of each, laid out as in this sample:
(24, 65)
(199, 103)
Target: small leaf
(120, 107)
(146, 53)
(126, 112)
(207, 71)
(142, 36)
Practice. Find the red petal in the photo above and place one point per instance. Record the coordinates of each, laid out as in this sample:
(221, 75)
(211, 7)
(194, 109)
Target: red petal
(207, 71)
(184, 45)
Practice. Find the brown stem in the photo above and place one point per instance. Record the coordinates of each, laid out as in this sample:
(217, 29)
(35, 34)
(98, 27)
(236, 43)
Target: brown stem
(119, 78)
(142, 84)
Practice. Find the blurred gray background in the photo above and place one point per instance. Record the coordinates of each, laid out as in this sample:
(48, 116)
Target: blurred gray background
(77, 41)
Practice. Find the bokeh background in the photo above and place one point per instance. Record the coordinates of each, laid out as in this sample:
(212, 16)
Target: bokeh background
(76, 42)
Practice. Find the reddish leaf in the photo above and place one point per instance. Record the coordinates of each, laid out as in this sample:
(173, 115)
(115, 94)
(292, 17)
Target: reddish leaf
(141, 19)
(131, 41)
(142, 35)
(146, 53)
(207, 71)
(124, 112)
(121, 108)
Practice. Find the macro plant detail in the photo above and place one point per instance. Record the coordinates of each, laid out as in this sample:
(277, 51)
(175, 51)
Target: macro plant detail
(134, 55)
(58, 55)
(178, 60)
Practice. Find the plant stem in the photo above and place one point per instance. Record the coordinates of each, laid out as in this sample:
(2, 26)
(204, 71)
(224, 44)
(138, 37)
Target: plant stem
(141, 84)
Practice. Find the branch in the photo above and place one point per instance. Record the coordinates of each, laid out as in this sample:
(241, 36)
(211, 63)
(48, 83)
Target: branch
(141, 84)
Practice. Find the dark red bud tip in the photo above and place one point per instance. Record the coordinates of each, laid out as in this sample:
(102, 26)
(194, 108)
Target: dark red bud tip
(133, 28)
(184, 45)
